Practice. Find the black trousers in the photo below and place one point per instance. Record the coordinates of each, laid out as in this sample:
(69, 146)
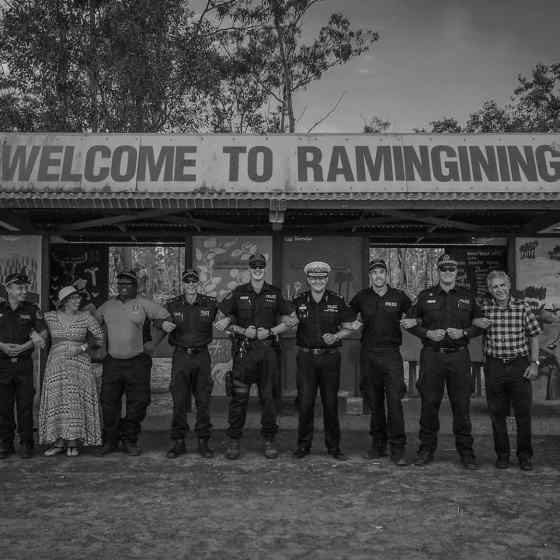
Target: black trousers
(259, 366)
(129, 377)
(438, 370)
(505, 386)
(190, 373)
(318, 372)
(16, 387)
(382, 380)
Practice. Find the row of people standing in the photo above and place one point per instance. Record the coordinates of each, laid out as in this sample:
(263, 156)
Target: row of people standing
(256, 313)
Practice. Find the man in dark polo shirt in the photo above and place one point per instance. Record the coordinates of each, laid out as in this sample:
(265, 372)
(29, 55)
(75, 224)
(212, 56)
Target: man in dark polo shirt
(381, 310)
(19, 320)
(324, 320)
(257, 313)
(191, 320)
(446, 313)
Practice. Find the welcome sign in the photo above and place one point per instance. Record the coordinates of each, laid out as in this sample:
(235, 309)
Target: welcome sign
(279, 164)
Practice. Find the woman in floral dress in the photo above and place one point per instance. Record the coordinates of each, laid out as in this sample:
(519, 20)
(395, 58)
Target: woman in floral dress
(69, 413)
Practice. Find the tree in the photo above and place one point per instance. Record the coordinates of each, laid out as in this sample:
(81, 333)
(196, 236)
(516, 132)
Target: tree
(126, 66)
(268, 45)
(534, 107)
(376, 125)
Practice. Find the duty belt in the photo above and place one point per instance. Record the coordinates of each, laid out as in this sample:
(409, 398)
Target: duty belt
(319, 351)
(191, 351)
(447, 349)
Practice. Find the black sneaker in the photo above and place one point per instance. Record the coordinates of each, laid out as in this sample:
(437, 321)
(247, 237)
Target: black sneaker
(179, 448)
(270, 452)
(6, 450)
(525, 463)
(502, 462)
(376, 452)
(337, 454)
(106, 448)
(397, 458)
(234, 450)
(203, 449)
(131, 448)
(423, 458)
(301, 452)
(26, 450)
(469, 462)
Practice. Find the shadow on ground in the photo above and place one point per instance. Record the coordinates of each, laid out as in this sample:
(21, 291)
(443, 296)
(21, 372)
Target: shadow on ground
(121, 507)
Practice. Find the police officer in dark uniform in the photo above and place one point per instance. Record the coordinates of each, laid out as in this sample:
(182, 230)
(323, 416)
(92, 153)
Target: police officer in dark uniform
(446, 313)
(381, 309)
(323, 320)
(19, 320)
(257, 313)
(191, 321)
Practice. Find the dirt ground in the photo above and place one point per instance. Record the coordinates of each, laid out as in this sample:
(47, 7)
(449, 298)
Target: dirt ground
(121, 507)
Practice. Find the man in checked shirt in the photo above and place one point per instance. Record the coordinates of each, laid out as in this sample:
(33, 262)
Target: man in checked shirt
(511, 346)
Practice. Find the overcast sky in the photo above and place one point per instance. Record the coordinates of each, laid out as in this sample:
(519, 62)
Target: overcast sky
(434, 58)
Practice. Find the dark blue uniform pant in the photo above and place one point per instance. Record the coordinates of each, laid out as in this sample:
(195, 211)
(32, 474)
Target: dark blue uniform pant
(383, 379)
(438, 370)
(129, 377)
(505, 386)
(16, 386)
(318, 372)
(190, 373)
(259, 366)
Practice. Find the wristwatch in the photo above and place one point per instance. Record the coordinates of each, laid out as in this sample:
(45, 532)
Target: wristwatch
(465, 333)
(535, 362)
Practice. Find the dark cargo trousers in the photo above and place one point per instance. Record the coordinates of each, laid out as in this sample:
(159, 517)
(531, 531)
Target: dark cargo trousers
(260, 366)
(129, 377)
(16, 387)
(437, 371)
(191, 374)
(383, 381)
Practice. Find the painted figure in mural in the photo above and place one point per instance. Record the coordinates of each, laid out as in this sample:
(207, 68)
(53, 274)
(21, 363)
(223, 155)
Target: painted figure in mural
(256, 313)
(21, 326)
(381, 309)
(69, 414)
(127, 367)
(511, 347)
(324, 320)
(190, 326)
(446, 313)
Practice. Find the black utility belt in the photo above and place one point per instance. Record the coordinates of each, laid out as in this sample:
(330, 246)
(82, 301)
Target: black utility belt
(382, 348)
(15, 360)
(447, 349)
(508, 360)
(192, 350)
(318, 351)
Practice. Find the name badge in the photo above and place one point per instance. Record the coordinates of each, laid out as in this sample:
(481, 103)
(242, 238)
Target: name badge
(390, 304)
(205, 312)
(25, 316)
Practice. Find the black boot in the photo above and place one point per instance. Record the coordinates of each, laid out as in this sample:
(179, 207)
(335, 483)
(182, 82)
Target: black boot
(179, 448)
(233, 451)
(270, 452)
(203, 448)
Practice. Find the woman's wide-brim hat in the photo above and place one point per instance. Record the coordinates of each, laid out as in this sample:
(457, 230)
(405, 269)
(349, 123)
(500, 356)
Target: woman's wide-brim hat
(65, 293)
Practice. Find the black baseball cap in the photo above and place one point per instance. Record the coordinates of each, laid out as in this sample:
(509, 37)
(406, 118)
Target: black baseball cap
(258, 259)
(377, 263)
(127, 275)
(190, 274)
(16, 278)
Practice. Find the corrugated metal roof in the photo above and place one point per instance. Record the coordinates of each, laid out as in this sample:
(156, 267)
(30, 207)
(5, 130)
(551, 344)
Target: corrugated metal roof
(64, 199)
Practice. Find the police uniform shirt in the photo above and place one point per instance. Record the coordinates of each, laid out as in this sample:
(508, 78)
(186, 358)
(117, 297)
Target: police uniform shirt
(247, 308)
(439, 309)
(381, 316)
(16, 325)
(193, 321)
(316, 319)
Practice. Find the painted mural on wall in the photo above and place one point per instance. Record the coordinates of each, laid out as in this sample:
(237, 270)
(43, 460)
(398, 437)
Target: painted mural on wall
(82, 266)
(21, 254)
(538, 279)
(222, 265)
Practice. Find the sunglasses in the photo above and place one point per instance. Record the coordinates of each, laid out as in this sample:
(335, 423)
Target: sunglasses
(258, 267)
(448, 268)
(190, 281)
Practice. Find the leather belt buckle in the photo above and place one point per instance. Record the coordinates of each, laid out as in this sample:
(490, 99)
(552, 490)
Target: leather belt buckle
(449, 350)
